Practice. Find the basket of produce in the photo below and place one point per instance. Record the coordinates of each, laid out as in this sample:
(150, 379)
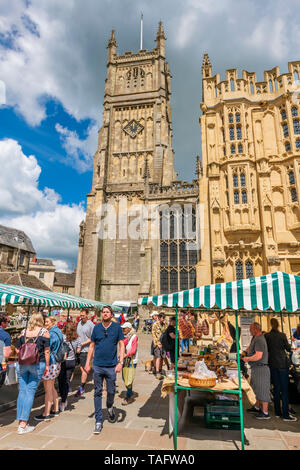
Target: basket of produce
(202, 376)
(207, 382)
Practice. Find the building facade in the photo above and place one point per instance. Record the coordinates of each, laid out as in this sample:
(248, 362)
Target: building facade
(250, 183)
(134, 167)
(243, 204)
(64, 283)
(43, 269)
(16, 249)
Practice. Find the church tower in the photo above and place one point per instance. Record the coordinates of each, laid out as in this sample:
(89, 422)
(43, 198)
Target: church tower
(134, 151)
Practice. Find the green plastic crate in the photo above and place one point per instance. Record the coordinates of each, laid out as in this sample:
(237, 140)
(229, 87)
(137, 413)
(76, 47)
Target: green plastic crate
(222, 416)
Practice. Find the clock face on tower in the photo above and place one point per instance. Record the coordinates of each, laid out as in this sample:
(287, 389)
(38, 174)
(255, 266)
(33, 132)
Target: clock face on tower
(133, 128)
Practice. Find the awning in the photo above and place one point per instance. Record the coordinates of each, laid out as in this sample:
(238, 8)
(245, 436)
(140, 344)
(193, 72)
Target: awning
(37, 297)
(278, 291)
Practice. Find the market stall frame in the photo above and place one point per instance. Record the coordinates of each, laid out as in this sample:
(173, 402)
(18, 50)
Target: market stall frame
(269, 292)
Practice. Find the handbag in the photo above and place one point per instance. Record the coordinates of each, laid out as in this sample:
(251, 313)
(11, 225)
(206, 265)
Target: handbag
(28, 352)
(11, 375)
(128, 371)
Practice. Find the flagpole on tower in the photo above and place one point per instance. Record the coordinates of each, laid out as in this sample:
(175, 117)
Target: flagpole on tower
(141, 44)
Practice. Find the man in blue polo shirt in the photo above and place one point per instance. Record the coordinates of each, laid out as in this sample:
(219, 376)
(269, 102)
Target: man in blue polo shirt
(105, 339)
(5, 344)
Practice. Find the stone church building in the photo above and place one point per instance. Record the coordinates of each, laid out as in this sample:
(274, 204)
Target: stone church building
(239, 218)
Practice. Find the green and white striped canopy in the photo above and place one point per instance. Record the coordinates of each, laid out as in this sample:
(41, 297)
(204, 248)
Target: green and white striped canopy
(278, 291)
(26, 296)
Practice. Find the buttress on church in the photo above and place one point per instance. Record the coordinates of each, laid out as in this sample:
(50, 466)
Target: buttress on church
(243, 205)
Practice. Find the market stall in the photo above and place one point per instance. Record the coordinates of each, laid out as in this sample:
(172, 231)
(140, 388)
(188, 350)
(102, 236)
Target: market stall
(275, 292)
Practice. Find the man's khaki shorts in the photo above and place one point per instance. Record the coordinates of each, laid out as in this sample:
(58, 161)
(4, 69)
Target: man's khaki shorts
(159, 352)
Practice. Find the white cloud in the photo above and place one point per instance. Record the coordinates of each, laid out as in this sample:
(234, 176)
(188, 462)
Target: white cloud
(57, 49)
(53, 227)
(80, 151)
(270, 35)
(61, 266)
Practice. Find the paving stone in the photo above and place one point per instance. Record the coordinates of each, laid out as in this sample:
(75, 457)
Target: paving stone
(60, 428)
(125, 436)
(30, 440)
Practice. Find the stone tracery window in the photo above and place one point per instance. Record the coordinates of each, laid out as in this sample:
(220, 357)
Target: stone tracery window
(230, 118)
(249, 269)
(292, 186)
(294, 111)
(231, 133)
(285, 129)
(177, 263)
(297, 143)
(283, 114)
(296, 126)
(240, 147)
(237, 117)
(232, 149)
(238, 132)
(239, 270)
(287, 146)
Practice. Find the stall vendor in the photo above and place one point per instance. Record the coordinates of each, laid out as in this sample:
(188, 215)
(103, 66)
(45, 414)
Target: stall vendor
(257, 357)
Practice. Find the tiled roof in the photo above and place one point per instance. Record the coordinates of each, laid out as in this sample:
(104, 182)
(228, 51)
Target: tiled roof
(64, 279)
(43, 261)
(15, 238)
(22, 279)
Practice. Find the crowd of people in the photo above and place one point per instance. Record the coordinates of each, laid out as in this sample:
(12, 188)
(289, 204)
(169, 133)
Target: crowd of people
(48, 352)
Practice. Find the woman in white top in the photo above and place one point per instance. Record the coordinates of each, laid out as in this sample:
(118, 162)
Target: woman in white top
(130, 360)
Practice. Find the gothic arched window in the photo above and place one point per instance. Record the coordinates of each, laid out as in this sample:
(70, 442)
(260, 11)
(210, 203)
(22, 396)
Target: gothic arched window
(192, 278)
(235, 180)
(173, 281)
(294, 195)
(249, 269)
(240, 148)
(243, 179)
(237, 117)
(231, 133)
(296, 126)
(239, 270)
(298, 144)
(184, 280)
(164, 282)
(232, 149)
(294, 111)
(183, 254)
(164, 254)
(236, 197)
(239, 132)
(173, 254)
(244, 197)
(287, 146)
(283, 114)
(285, 129)
(291, 177)
(230, 118)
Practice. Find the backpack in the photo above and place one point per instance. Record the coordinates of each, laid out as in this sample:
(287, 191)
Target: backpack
(62, 352)
(29, 353)
(165, 341)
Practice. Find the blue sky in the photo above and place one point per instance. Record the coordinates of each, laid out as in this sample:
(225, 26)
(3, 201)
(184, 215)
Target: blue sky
(53, 65)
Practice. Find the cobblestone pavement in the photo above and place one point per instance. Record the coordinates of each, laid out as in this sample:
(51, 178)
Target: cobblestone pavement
(141, 425)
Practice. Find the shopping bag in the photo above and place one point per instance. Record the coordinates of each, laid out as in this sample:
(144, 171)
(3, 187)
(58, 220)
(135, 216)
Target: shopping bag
(11, 375)
(128, 373)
